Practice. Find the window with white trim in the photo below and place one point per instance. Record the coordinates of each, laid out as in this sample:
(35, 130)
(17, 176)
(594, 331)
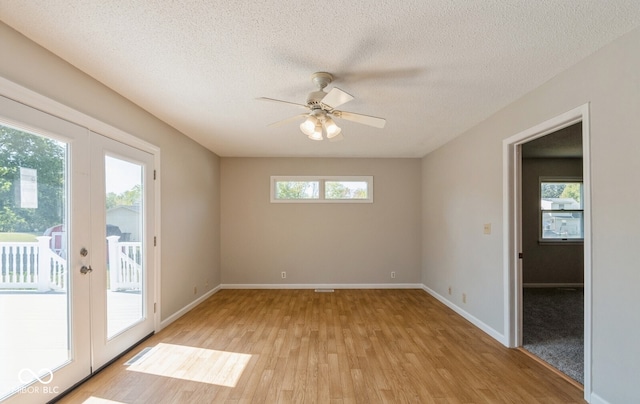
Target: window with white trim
(322, 189)
(561, 209)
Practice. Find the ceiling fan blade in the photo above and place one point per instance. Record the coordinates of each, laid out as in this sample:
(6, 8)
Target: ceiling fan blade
(281, 102)
(359, 118)
(335, 98)
(286, 121)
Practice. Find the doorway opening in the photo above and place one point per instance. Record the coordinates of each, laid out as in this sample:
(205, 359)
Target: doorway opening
(547, 242)
(552, 234)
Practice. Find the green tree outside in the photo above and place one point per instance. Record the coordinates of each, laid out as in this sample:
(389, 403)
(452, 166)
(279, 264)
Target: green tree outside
(47, 156)
(337, 190)
(552, 189)
(296, 189)
(572, 191)
(127, 198)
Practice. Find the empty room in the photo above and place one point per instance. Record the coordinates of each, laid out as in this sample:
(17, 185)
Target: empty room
(295, 202)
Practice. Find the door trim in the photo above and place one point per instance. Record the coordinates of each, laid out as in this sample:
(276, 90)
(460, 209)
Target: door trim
(512, 241)
(38, 101)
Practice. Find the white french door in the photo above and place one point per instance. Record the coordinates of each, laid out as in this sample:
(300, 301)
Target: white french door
(76, 252)
(122, 247)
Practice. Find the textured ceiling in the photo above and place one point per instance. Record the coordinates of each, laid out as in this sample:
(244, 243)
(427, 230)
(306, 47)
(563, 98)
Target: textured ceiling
(433, 69)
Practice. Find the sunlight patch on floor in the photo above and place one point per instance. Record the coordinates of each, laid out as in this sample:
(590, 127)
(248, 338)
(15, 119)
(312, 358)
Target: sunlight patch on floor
(194, 364)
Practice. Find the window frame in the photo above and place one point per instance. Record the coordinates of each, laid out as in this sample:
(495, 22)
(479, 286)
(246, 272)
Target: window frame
(321, 187)
(541, 211)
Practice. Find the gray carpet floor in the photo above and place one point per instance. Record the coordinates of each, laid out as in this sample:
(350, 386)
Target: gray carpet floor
(553, 328)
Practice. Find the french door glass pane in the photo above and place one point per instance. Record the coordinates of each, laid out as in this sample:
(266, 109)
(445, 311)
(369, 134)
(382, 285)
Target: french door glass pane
(124, 235)
(34, 276)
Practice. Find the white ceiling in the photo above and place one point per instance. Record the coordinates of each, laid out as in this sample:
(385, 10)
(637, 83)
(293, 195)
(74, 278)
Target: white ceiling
(433, 69)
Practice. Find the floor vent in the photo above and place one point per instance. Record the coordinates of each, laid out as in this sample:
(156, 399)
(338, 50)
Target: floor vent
(324, 290)
(138, 357)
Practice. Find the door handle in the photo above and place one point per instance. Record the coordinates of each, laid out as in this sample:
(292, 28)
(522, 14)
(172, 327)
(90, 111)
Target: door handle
(86, 269)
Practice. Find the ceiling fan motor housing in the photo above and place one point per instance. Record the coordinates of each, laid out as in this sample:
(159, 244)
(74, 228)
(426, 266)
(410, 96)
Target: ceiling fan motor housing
(314, 98)
(321, 80)
(322, 106)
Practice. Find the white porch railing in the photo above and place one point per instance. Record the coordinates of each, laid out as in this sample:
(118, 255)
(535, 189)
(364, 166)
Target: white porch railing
(34, 266)
(125, 264)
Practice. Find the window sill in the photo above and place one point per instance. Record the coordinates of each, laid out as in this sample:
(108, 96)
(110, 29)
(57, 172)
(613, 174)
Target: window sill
(561, 242)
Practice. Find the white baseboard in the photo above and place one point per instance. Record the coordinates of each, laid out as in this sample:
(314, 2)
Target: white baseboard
(187, 308)
(321, 286)
(596, 399)
(553, 285)
(473, 320)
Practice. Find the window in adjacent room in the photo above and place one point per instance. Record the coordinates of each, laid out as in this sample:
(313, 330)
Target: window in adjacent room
(561, 209)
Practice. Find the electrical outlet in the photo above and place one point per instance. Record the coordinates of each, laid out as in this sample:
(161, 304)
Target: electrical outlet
(393, 274)
(283, 274)
(449, 290)
(464, 298)
(487, 228)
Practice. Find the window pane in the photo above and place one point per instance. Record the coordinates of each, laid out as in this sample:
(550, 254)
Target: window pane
(345, 190)
(562, 225)
(561, 205)
(297, 190)
(34, 271)
(561, 196)
(123, 236)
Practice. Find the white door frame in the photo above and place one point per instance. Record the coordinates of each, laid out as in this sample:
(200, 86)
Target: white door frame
(512, 241)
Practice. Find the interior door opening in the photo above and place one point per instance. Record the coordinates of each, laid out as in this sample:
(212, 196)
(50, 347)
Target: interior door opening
(551, 195)
(513, 229)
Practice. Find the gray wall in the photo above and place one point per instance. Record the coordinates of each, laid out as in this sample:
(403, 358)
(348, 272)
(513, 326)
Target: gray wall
(547, 263)
(320, 243)
(462, 188)
(189, 173)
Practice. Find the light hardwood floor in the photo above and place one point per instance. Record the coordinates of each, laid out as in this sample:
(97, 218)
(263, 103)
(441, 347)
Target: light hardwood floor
(350, 346)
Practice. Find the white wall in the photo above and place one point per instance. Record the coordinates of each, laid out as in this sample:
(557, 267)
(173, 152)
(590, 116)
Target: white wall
(189, 173)
(320, 243)
(462, 188)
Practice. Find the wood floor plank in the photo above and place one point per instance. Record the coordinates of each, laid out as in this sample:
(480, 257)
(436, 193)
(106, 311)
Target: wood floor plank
(349, 346)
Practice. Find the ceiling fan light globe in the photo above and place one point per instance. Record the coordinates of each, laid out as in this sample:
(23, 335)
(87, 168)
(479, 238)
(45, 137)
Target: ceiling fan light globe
(308, 127)
(317, 132)
(332, 129)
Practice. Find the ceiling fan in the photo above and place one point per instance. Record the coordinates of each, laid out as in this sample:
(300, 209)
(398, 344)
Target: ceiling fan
(322, 109)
